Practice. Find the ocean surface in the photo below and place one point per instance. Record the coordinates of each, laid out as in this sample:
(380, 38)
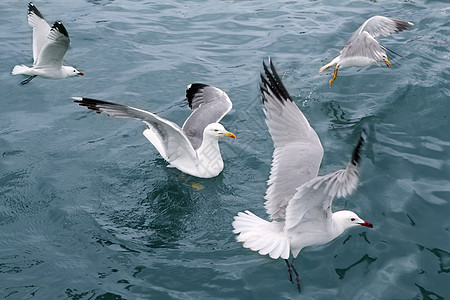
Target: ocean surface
(89, 209)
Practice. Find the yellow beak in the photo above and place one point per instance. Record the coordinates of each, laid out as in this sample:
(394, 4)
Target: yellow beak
(229, 134)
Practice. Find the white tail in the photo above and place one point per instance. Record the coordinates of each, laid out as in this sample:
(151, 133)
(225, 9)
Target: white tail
(332, 63)
(325, 67)
(21, 69)
(260, 235)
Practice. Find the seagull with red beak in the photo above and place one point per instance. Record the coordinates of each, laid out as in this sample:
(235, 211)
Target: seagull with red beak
(298, 201)
(50, 44)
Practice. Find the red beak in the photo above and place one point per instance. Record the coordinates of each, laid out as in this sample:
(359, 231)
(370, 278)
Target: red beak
(367, 224)
(79, 73)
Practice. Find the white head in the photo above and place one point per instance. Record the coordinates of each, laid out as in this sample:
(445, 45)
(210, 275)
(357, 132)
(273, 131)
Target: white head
(216, 130)
(346, 219)
(71, 71)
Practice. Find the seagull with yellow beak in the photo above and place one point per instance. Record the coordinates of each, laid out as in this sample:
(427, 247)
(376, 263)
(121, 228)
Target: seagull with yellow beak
(192, 148)
(362, 48)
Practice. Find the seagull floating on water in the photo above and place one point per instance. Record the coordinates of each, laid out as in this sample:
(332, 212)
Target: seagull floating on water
(298, 201)
(49, 47)
(362, 49)
(193, 148)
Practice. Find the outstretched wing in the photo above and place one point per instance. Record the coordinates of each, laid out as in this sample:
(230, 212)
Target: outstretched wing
(41, 29)
(313, 199)
(171, 141)
(298, 151)
(363, 43)
(384, 26)
(209, 105)
(52, 54)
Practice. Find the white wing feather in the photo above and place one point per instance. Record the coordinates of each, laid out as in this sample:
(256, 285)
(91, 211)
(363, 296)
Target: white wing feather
(317, 194)
(41, 29)
(52, 54)
(170, 138)
(298, 151)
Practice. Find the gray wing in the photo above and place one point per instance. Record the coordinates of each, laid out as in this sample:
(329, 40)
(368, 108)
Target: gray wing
(313, 199)
(171, 141)
(384, 26)
(41, 29)
(52, 54)
(363, 43)
(298, 152)
(209, 105)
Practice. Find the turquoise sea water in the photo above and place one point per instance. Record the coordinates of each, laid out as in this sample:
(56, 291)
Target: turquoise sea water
(89, 210)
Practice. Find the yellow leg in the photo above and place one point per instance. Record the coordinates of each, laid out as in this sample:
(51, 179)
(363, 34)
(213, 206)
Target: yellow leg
(334, 75)
(387, 62)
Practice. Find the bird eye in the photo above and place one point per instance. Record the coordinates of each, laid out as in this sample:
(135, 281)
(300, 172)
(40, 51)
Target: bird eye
(352, 219)
(215, 130)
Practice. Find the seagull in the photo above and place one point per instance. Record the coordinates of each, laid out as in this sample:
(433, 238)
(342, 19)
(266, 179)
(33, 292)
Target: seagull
(298, 201)
(362, 49)
(193, 148)
(49, 47)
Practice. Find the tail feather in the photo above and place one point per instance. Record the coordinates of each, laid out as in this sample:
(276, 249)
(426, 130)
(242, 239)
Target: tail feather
(260, 235)
(328, 65)
(20, 70)
(332, 63)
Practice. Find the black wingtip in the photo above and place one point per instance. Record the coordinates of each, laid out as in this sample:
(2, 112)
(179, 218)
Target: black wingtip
(402, 25)
(356, 155)
(60, 27)
(389, 50)
(272, 81)
(90, 103)
(33, 10)
(193, 89)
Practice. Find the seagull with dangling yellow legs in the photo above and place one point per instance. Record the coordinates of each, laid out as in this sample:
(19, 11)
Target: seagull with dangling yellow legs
(363, 49)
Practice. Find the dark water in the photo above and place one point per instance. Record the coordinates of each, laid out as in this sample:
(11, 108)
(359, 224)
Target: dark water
(89, 210)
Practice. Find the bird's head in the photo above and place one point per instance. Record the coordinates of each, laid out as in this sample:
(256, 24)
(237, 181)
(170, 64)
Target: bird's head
(217, 130)
(347, 219)
(71, 71)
